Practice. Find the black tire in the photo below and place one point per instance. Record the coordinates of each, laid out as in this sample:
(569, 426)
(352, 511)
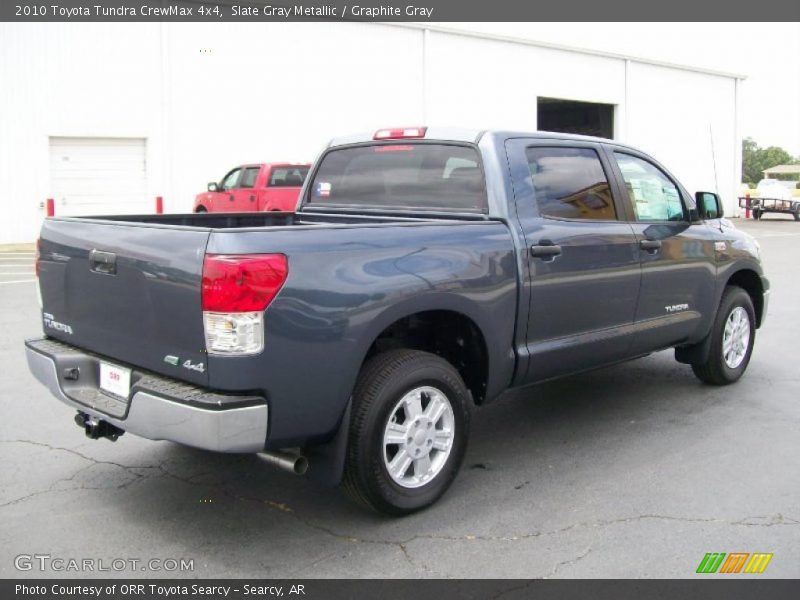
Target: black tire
(382, 383)
(201, 209)
(797, 215)
(715, 371)
(756, 214)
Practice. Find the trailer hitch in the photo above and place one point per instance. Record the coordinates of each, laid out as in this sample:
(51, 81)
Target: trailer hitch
(96, 428)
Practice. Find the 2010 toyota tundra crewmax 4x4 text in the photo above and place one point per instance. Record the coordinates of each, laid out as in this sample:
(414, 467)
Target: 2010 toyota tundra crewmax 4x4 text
(426, 271)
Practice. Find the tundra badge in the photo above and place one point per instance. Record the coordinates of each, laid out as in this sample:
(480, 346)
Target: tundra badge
(50, 321)
(676, 308)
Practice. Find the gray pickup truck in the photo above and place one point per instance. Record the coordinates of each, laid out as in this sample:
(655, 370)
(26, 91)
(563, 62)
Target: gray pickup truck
(425, 272)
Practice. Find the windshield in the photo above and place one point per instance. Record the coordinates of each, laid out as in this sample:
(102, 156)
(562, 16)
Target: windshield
(401, 175)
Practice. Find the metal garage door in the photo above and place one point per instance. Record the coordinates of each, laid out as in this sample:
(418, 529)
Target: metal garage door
(98, 176)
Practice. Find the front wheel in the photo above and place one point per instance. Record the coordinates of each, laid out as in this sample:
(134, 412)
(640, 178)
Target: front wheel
(732, 337)
(408, 432)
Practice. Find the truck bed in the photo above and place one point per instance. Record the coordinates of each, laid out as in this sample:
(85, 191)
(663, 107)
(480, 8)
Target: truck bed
(277, 219)
(128, 289)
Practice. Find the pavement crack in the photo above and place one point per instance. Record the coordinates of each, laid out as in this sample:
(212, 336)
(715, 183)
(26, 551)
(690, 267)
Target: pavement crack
(569, 562)
(135, 470)
(73, 452)
(773, 520)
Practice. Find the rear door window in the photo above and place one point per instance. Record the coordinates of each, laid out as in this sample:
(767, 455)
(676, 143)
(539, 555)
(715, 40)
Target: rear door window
(570, 183)
(288, 176)
(401, 176)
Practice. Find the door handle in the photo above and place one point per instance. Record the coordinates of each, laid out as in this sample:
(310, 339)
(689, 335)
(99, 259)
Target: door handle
(651, 246)
(252, 198)
(230, 197)
(547, 253)
(103, 262)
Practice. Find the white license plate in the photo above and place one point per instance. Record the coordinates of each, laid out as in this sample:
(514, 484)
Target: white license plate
(115, 380)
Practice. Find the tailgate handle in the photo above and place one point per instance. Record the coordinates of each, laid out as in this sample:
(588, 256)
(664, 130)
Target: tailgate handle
(103, 262)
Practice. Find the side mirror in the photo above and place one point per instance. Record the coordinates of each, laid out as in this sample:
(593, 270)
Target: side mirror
(709, 205)
(213, 187)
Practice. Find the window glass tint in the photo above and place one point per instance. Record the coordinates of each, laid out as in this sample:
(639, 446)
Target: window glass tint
(653, 195)
(230, 179)
(288, 176)
(569, 183)
(401, 175)
(249, 177)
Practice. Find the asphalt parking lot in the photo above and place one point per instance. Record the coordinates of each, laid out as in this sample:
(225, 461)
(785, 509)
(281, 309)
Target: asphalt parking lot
(634, 471)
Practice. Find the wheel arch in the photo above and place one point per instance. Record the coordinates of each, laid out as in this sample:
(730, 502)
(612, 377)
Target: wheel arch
(745, 278)
(447, 333)
(750, 281)
(498, 361)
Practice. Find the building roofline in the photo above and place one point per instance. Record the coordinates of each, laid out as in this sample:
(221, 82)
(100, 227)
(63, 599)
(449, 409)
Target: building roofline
(563, 47)
(473, 136)
(782, 170)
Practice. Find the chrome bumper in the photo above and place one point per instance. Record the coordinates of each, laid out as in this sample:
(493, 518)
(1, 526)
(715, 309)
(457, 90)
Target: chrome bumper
(241, 429)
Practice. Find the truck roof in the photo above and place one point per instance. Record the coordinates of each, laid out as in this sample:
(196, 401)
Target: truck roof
(274, 164)
(457, 134)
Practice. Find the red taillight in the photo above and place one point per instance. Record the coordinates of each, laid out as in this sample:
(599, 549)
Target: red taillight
(242, 283)
(37, 256)
(399, 133)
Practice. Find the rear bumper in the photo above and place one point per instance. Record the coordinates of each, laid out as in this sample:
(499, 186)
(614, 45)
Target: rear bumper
(158, 408)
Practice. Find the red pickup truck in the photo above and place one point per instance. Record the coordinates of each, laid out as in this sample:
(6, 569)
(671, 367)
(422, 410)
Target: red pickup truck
(254, 188)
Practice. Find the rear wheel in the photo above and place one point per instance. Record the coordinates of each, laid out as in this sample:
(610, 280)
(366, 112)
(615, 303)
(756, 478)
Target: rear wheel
(732, 337)
(201, 209)
(756, 214)
(797, 215)
(408, 432)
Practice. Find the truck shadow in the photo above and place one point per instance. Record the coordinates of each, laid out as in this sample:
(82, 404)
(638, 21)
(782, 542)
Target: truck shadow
(533, 434)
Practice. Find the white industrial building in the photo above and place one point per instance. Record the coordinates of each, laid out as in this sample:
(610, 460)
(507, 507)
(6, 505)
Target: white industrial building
(104, 117)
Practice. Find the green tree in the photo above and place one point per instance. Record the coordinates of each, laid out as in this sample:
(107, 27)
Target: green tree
(756, 159)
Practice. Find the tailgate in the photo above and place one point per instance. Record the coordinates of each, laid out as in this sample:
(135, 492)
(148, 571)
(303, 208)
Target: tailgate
(128, 291)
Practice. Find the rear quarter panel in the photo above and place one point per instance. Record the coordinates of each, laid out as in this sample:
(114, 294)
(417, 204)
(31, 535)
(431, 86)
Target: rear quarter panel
(345, 286)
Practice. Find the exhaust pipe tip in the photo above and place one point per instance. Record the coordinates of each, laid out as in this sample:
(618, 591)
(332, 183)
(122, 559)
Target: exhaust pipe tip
(301, 465)
(294, 463)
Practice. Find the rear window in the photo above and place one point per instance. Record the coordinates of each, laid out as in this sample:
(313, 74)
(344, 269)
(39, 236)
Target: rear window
(401, 175)
(288, 176)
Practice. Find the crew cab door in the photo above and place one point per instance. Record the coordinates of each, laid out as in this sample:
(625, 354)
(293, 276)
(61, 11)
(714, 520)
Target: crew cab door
(224, 199)
(245, 197)
(678, 294)
(582, 256)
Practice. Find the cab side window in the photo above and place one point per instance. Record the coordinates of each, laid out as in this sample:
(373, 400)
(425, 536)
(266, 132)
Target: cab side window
(229, 181)
(249, 177)
(652, 194)
(569, 183)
